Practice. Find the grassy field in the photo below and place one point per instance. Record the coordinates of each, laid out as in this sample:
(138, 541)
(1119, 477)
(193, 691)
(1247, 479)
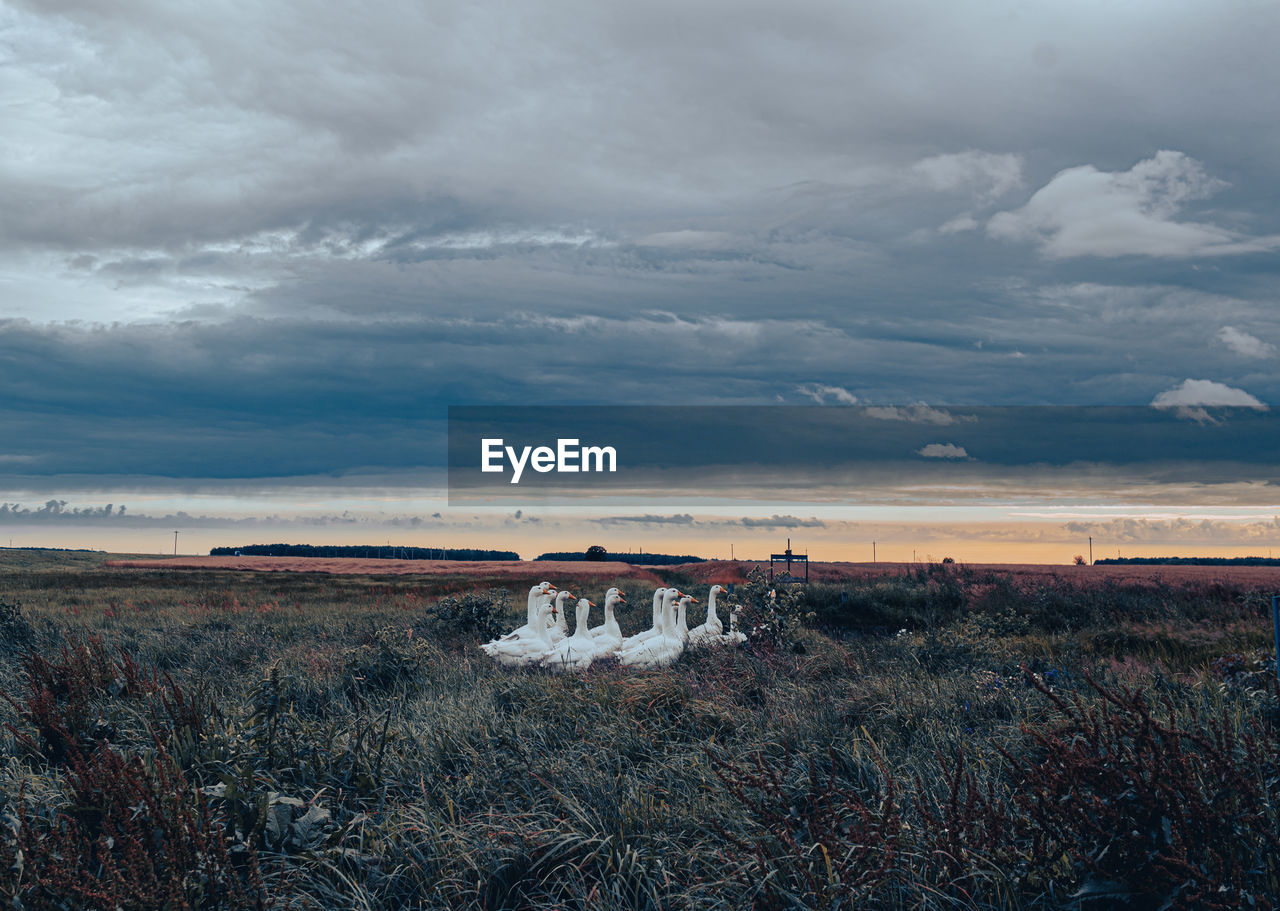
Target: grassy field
(942, 738)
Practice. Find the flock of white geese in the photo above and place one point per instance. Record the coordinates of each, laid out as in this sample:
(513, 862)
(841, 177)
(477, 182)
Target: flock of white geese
(545, 640)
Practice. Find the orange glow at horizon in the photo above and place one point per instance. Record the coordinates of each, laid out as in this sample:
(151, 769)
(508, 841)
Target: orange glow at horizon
(977, 542)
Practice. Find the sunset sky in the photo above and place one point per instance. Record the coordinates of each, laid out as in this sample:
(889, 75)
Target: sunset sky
(250, 254)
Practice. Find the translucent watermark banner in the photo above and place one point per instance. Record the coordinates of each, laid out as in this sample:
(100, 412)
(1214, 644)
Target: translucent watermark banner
(646, 454)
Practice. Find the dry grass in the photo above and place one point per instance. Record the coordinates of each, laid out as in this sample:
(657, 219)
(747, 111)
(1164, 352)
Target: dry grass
(329, 741)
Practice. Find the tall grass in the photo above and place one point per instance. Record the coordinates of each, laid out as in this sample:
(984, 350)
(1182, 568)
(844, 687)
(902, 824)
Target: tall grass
(942, 739)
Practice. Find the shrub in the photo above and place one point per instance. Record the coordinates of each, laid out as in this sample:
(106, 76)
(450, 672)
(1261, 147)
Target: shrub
(393, 657)
(15, 629)
(1163, 816)
(933, 596)
(770, 617)
(966, 836)
(820, 842)
(86, 694)
(473, 615)
(136, 836)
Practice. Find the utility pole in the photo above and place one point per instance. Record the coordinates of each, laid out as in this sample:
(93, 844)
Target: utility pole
(873, 551)
(1090, 550)
(175, 543)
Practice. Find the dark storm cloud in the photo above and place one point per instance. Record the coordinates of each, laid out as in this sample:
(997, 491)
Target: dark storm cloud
(294, 234)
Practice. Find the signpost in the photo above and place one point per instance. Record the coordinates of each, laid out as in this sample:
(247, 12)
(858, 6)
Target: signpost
(789, 558)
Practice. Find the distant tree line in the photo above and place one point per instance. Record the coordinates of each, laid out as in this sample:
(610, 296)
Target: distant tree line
(634, 559)
(69, 550)
(1192, 561)
(364, 552)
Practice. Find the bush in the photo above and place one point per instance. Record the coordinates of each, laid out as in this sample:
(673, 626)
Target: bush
(770, 617)
(86, 694)
(135, 837)
(820, 842)
(473, 615)
(1158, 815)
(15, 629)
(921, 600)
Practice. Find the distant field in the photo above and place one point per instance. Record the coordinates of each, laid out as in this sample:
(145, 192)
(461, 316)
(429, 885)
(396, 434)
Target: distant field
(479, 570)
(1264, 576)
(712, 570)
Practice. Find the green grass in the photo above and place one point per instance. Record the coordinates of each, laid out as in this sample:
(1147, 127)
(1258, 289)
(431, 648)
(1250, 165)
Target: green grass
(281, 740)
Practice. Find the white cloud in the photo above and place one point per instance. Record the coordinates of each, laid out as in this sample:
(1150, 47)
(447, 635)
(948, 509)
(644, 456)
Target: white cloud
(1182, 529)
(918, 414)
(1086, 212)
(958, 224)
(1244, 344)
(987, 175)
(1192, 393)
(942, 451)
(820, 393)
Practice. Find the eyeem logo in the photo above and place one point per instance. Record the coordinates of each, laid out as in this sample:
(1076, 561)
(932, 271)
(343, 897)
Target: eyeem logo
(567, 457)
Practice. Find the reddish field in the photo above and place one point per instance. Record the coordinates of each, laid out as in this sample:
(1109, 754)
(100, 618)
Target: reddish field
(1256, 576)
(473, 569)
(712, 570)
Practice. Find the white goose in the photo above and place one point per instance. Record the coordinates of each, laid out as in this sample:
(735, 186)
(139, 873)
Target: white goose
(712, 627)
(734, 636)
(664, 649)
(659, 622)
(540, 592)
(576, 652)
(608, 635)
(558, 626)
(522, 652)
(682, 622)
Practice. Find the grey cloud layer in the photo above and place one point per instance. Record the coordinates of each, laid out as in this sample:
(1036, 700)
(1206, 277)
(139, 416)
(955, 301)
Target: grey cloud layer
(294, 233)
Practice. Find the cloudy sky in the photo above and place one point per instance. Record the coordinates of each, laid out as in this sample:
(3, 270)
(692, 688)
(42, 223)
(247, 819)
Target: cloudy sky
(249, 253)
